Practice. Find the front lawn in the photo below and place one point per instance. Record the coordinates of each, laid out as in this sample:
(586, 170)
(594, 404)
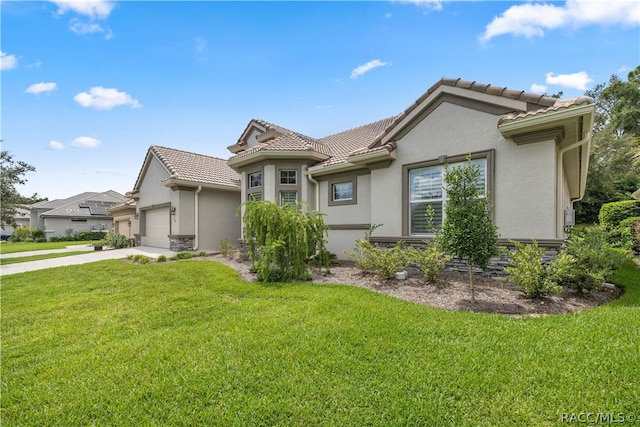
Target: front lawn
(190, 343)
(13, 247)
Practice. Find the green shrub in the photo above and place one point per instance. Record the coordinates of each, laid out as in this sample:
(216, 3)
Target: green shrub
(142, 259)
(38, 235)
(21, 234)
(89, 235)
(527, 270)
(162, 258)
(117, 241)
(431, 261)
(627, 234)
(384, 262)
(611, 214)
(595, 259)
(227, 249)
(203, 254)
(182, 255)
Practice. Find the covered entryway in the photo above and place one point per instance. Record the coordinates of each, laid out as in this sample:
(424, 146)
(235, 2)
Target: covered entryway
(157, 228)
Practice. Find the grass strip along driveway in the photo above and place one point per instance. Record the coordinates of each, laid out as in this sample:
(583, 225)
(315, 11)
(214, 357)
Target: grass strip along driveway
(29, 258)
(190, 343)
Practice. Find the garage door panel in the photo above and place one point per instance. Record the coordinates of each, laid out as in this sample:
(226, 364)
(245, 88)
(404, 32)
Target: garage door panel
(157, 228)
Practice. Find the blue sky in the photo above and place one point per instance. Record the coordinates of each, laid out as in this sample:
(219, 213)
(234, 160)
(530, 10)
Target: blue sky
(88, 86)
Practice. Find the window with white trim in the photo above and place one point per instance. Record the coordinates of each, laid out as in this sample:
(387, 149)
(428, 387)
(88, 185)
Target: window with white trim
(426, 193)
(288, 177)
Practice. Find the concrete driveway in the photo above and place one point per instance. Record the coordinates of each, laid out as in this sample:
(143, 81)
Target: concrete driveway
(90, 256)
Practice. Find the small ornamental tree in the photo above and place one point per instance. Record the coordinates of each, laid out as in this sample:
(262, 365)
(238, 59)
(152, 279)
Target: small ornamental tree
(468, 231)
(282, 239)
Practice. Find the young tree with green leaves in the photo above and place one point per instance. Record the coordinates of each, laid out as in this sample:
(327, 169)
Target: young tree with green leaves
(468, 231)
(12, 173)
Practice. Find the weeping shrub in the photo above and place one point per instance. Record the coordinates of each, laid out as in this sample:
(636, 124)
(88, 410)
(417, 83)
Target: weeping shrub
(282, 239)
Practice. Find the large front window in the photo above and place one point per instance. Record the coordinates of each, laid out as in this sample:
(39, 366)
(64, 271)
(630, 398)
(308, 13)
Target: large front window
(428, 197)
(255, 179)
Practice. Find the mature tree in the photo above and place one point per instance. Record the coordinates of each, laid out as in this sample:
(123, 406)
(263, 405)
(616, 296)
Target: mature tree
(614, 164)
(11, 174)
(468, 231)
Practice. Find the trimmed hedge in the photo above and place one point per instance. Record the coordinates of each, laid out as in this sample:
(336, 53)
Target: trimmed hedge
(611, 214)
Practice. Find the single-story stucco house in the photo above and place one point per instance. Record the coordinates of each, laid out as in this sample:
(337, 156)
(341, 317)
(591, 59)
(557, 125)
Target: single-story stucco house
(186, 201)
(125, 218)
(533, 151)
(82, 212)
(21, 219)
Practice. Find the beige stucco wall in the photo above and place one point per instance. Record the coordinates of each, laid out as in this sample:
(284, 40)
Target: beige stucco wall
(524, 185)
(152, 192)
(218, 220)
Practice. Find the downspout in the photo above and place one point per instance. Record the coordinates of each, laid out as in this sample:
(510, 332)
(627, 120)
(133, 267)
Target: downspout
(317, 187)
(197, 218)
(581, 182)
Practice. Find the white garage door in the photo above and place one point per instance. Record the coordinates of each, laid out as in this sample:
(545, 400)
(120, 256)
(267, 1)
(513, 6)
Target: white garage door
(157, 228)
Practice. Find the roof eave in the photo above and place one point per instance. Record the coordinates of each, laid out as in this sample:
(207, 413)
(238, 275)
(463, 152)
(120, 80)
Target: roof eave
(372, 156)
(170, 182)
(527, 123)
(239, 162)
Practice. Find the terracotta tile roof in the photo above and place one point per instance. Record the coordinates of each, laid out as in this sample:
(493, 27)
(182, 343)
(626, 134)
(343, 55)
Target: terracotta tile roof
(288, 141)
(196, 167)
(345, 143)
(560, 104)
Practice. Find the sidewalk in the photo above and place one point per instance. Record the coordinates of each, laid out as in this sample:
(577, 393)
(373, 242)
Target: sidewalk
(90, 256)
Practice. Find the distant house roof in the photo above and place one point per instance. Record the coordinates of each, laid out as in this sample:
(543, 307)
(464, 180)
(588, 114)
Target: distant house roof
(84, 205)
(196, 168)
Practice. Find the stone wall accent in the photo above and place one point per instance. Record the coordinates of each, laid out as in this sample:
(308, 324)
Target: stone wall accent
(138, 239)
(181, 243)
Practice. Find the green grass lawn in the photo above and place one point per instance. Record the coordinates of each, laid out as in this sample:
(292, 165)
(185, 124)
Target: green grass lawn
(190, 343)
(11, 247)
(5, 261)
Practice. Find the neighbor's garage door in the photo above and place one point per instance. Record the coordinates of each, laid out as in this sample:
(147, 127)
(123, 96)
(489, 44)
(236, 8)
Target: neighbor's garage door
(157, 228)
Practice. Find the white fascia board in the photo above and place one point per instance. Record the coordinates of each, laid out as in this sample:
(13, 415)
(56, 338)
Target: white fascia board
(174, 181)
(525, 124)
(271, 155)
(372, 156)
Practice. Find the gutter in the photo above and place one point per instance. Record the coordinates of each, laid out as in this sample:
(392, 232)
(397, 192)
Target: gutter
(582, 182)
(317, 187)
(197, 218)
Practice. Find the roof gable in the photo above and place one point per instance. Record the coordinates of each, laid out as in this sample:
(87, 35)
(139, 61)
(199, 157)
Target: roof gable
(192, 167)
(95, 204)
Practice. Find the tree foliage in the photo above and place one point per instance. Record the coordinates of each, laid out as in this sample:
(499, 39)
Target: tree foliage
(283, 239)
(12, 173)
(468, 231)
(614, 164)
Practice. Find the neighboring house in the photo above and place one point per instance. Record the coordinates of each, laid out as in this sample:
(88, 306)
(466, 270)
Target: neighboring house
(186, 201)
(532, 150)
(83, 212)
(22, 220)
(125, 218)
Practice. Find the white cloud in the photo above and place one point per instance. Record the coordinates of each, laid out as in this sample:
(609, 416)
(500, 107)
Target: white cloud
(7, 61)
(56, 145)
(578, 80)
(536, 88)
(93, 9)
(533, 19)
(365, 68)
(102, 98)
(38, 88)
(85, 142)
(427, 4)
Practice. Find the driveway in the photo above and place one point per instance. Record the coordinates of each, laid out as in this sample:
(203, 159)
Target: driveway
(90, 256)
